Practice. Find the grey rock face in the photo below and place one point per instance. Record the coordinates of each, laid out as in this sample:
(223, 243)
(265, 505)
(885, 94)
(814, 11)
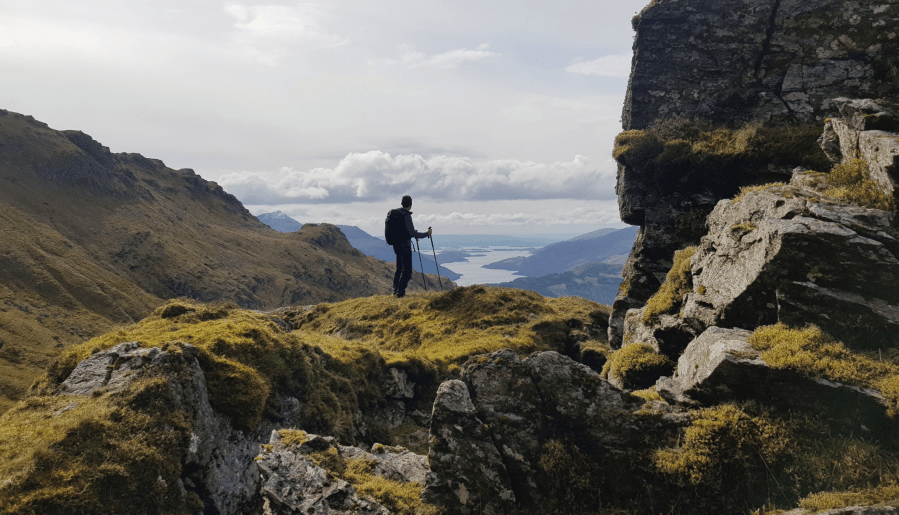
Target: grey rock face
(769, 258)
(467, 471)
(398, 385)
(783, 255)
(489, 430)
(219, 460)
(720, 366)
(866, 131)
(759, 59)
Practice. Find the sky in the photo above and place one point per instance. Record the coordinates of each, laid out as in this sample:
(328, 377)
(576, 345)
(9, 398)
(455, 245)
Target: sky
(497, 117)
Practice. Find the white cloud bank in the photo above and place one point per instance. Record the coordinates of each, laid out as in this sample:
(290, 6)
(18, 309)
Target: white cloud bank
(445, 60)
(375, 176)
(607, 66)
(267, 33)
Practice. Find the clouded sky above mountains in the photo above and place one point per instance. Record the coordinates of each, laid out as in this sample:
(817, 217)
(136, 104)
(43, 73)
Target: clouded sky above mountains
(496, 116)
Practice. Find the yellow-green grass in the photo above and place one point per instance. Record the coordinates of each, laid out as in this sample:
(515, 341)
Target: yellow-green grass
(444, 329)
(814, 353)
(649, 394)
(636, 363)
(336, 360)
(852, 181)
(884, 496)
(678, 282)
(762, 187)
(755, 456)
(105, 454)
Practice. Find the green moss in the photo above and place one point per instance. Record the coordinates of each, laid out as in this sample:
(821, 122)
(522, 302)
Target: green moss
(684, 148)
(743, 227)
(637, 364)
(624, 287)
(103, 454)
(884, 495)
(701, 289)
(814, 353)
(852, 181)
(749, 189)
(677, 283)
(723, 444)
(649, 394)
(292, 436)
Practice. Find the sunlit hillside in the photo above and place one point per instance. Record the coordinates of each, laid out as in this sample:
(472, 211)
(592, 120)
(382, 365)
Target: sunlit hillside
(90, 240)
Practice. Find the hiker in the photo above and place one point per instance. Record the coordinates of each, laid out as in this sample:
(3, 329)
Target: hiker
(399, 231)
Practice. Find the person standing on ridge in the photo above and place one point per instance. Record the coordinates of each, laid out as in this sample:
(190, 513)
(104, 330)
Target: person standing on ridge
(399, 231)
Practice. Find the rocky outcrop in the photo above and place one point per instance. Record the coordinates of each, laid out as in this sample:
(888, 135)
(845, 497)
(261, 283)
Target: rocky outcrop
(492, 428)
(219, 463)
(785, 255)
(295, 479)
(721, 366)
(759, 59)
(851, 510)
(776, 62)
(866, 130)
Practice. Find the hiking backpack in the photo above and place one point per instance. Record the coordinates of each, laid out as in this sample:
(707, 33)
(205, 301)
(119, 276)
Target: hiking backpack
(394, 227)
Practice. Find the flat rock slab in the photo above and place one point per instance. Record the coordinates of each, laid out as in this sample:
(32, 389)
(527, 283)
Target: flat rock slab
(720, 365)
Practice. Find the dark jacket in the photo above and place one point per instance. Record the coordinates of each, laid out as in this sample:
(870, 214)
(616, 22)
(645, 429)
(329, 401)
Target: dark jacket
(410, 228)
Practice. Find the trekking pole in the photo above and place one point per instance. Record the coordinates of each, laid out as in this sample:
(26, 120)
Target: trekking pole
(435, 261)
(424, 278)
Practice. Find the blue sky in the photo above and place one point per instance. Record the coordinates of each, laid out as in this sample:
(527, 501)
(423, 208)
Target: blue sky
(496, 116)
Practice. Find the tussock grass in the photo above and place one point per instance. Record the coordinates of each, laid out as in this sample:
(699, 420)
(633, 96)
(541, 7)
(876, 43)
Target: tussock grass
(739, 457)
(814, 353)
(398, 497)
(885, 495)
(105, 454)
(678, 282)
(852, 181)
(762, 187)
(725, 443)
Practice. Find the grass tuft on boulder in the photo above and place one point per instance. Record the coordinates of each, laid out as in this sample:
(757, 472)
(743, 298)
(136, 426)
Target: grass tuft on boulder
(852, 181)
(814, 353)
(637, 366)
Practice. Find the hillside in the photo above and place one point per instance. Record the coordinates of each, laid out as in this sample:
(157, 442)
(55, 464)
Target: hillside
(92, 240)
(563, 256)
(598, 282)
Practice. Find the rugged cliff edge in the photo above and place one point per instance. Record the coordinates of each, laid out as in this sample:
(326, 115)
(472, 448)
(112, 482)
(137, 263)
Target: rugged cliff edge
(763, 73)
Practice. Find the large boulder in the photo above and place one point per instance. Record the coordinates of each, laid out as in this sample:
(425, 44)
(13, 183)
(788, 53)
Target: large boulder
(219, 462)
(784, 254)
(494, 429)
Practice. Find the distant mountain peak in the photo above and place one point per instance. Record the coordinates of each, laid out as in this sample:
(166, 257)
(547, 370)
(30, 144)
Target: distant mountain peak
(280, 221)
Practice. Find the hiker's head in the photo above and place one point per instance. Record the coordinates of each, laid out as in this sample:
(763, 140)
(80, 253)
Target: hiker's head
(407, 201)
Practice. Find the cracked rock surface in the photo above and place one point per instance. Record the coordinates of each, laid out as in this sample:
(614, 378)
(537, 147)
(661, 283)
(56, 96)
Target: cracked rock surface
(489, 430)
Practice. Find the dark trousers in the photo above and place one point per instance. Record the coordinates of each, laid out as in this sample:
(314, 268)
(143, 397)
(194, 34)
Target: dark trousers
(403, 273)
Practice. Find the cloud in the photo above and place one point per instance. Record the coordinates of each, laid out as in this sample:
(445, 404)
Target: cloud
(446, 60)
(266, 33)
(608, 66)
(375, 176)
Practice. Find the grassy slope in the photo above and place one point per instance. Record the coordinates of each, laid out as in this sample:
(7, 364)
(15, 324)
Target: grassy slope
(335, 362)
(90, 240)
